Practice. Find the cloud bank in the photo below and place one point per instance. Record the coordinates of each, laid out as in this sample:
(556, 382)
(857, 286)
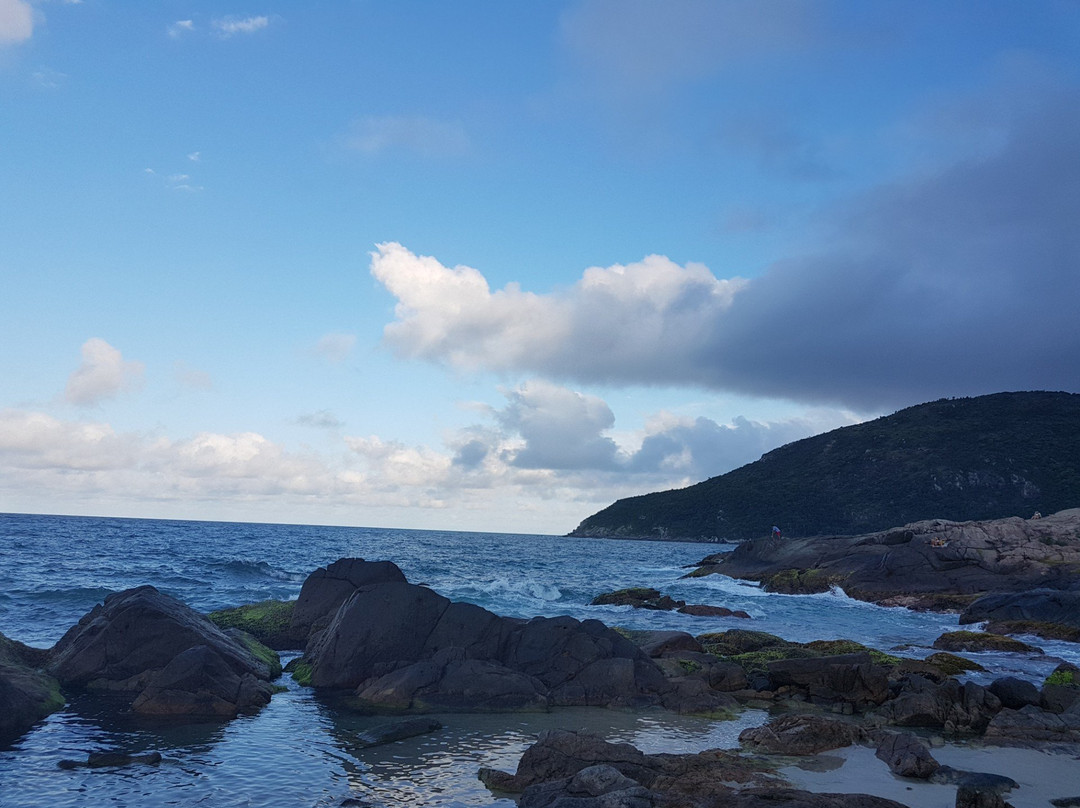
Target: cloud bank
(954, 283)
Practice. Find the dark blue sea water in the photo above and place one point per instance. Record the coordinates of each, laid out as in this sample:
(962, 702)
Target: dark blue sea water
(296, 751)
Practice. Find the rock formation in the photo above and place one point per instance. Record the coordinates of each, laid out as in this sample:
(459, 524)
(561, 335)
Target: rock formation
(934, 564)
(170, 658)
(400, 646)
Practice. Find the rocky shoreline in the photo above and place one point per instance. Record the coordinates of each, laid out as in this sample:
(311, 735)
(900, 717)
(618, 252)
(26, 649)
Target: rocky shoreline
(379, 644)
(934, 564)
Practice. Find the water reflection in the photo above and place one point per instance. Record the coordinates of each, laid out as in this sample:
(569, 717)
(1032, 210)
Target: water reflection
(439, 769)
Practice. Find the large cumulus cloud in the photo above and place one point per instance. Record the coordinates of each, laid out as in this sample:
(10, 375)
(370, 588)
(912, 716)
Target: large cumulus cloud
(958, 282)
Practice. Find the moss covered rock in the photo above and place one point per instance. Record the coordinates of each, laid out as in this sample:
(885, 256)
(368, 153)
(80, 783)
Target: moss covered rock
(1048, 631)
(267, 621)
(953, 665)
(799, 582)
(639, 597)
(27, 694)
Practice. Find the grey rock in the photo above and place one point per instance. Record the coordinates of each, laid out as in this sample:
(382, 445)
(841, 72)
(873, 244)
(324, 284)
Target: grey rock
(396, 731)
(796, 734)
(172, 659)
(851, 678)
(1015, 693)
(328, 587)
(658, 643)
(907, 756)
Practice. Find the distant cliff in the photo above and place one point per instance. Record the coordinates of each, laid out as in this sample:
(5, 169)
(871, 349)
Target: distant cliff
(1007, 454)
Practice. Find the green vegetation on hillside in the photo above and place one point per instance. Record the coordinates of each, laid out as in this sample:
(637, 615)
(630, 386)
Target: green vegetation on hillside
(1007, 454)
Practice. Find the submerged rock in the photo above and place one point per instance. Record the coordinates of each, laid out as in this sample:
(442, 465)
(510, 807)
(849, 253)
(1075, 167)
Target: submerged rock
(396, 731)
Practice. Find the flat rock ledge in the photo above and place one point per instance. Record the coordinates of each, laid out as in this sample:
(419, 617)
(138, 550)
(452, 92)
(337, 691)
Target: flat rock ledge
(933, 564)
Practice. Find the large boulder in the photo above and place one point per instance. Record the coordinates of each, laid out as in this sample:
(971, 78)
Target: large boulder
(844, 678)
(405, 647)
(906, 755)
(172, 659)
(1033, 724)
(26, 693)
(328, 587)
(1015, 693)
(949, 706)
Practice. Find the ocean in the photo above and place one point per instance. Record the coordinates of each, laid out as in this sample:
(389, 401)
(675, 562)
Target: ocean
(298, 750)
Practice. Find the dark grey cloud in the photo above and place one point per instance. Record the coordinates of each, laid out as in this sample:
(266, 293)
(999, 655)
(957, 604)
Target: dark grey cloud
(701, 447)
(957, 282)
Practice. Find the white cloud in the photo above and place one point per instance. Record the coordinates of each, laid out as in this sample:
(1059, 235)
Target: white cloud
(104, 373)
(180, 28)
(561, 428)
(335, 347)
(230, 26)
(419, 135)
(16, 21)
(640, 322)
(194, 157)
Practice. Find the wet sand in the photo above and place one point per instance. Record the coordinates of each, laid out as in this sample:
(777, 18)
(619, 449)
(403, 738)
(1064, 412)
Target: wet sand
(855, 770)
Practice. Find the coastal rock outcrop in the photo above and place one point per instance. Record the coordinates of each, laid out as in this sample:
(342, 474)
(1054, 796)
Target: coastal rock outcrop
(949, 706)
(933, 564)
(795, 734)
(402, 646)
(171, 658)
(26, 693)
(851, 679)
(1048, 613)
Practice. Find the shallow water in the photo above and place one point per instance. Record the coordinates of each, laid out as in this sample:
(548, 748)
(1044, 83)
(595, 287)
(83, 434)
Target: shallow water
(296, 752)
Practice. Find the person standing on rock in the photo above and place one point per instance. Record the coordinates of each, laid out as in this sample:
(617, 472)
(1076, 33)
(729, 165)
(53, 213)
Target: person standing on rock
(776, 532)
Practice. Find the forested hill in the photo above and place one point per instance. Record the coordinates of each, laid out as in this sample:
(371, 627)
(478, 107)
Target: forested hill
(1007, 454)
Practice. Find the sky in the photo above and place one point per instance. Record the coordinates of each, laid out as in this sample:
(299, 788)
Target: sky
(491, 266)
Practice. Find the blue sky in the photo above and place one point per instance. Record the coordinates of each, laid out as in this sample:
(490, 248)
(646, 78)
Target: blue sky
(490, 266)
